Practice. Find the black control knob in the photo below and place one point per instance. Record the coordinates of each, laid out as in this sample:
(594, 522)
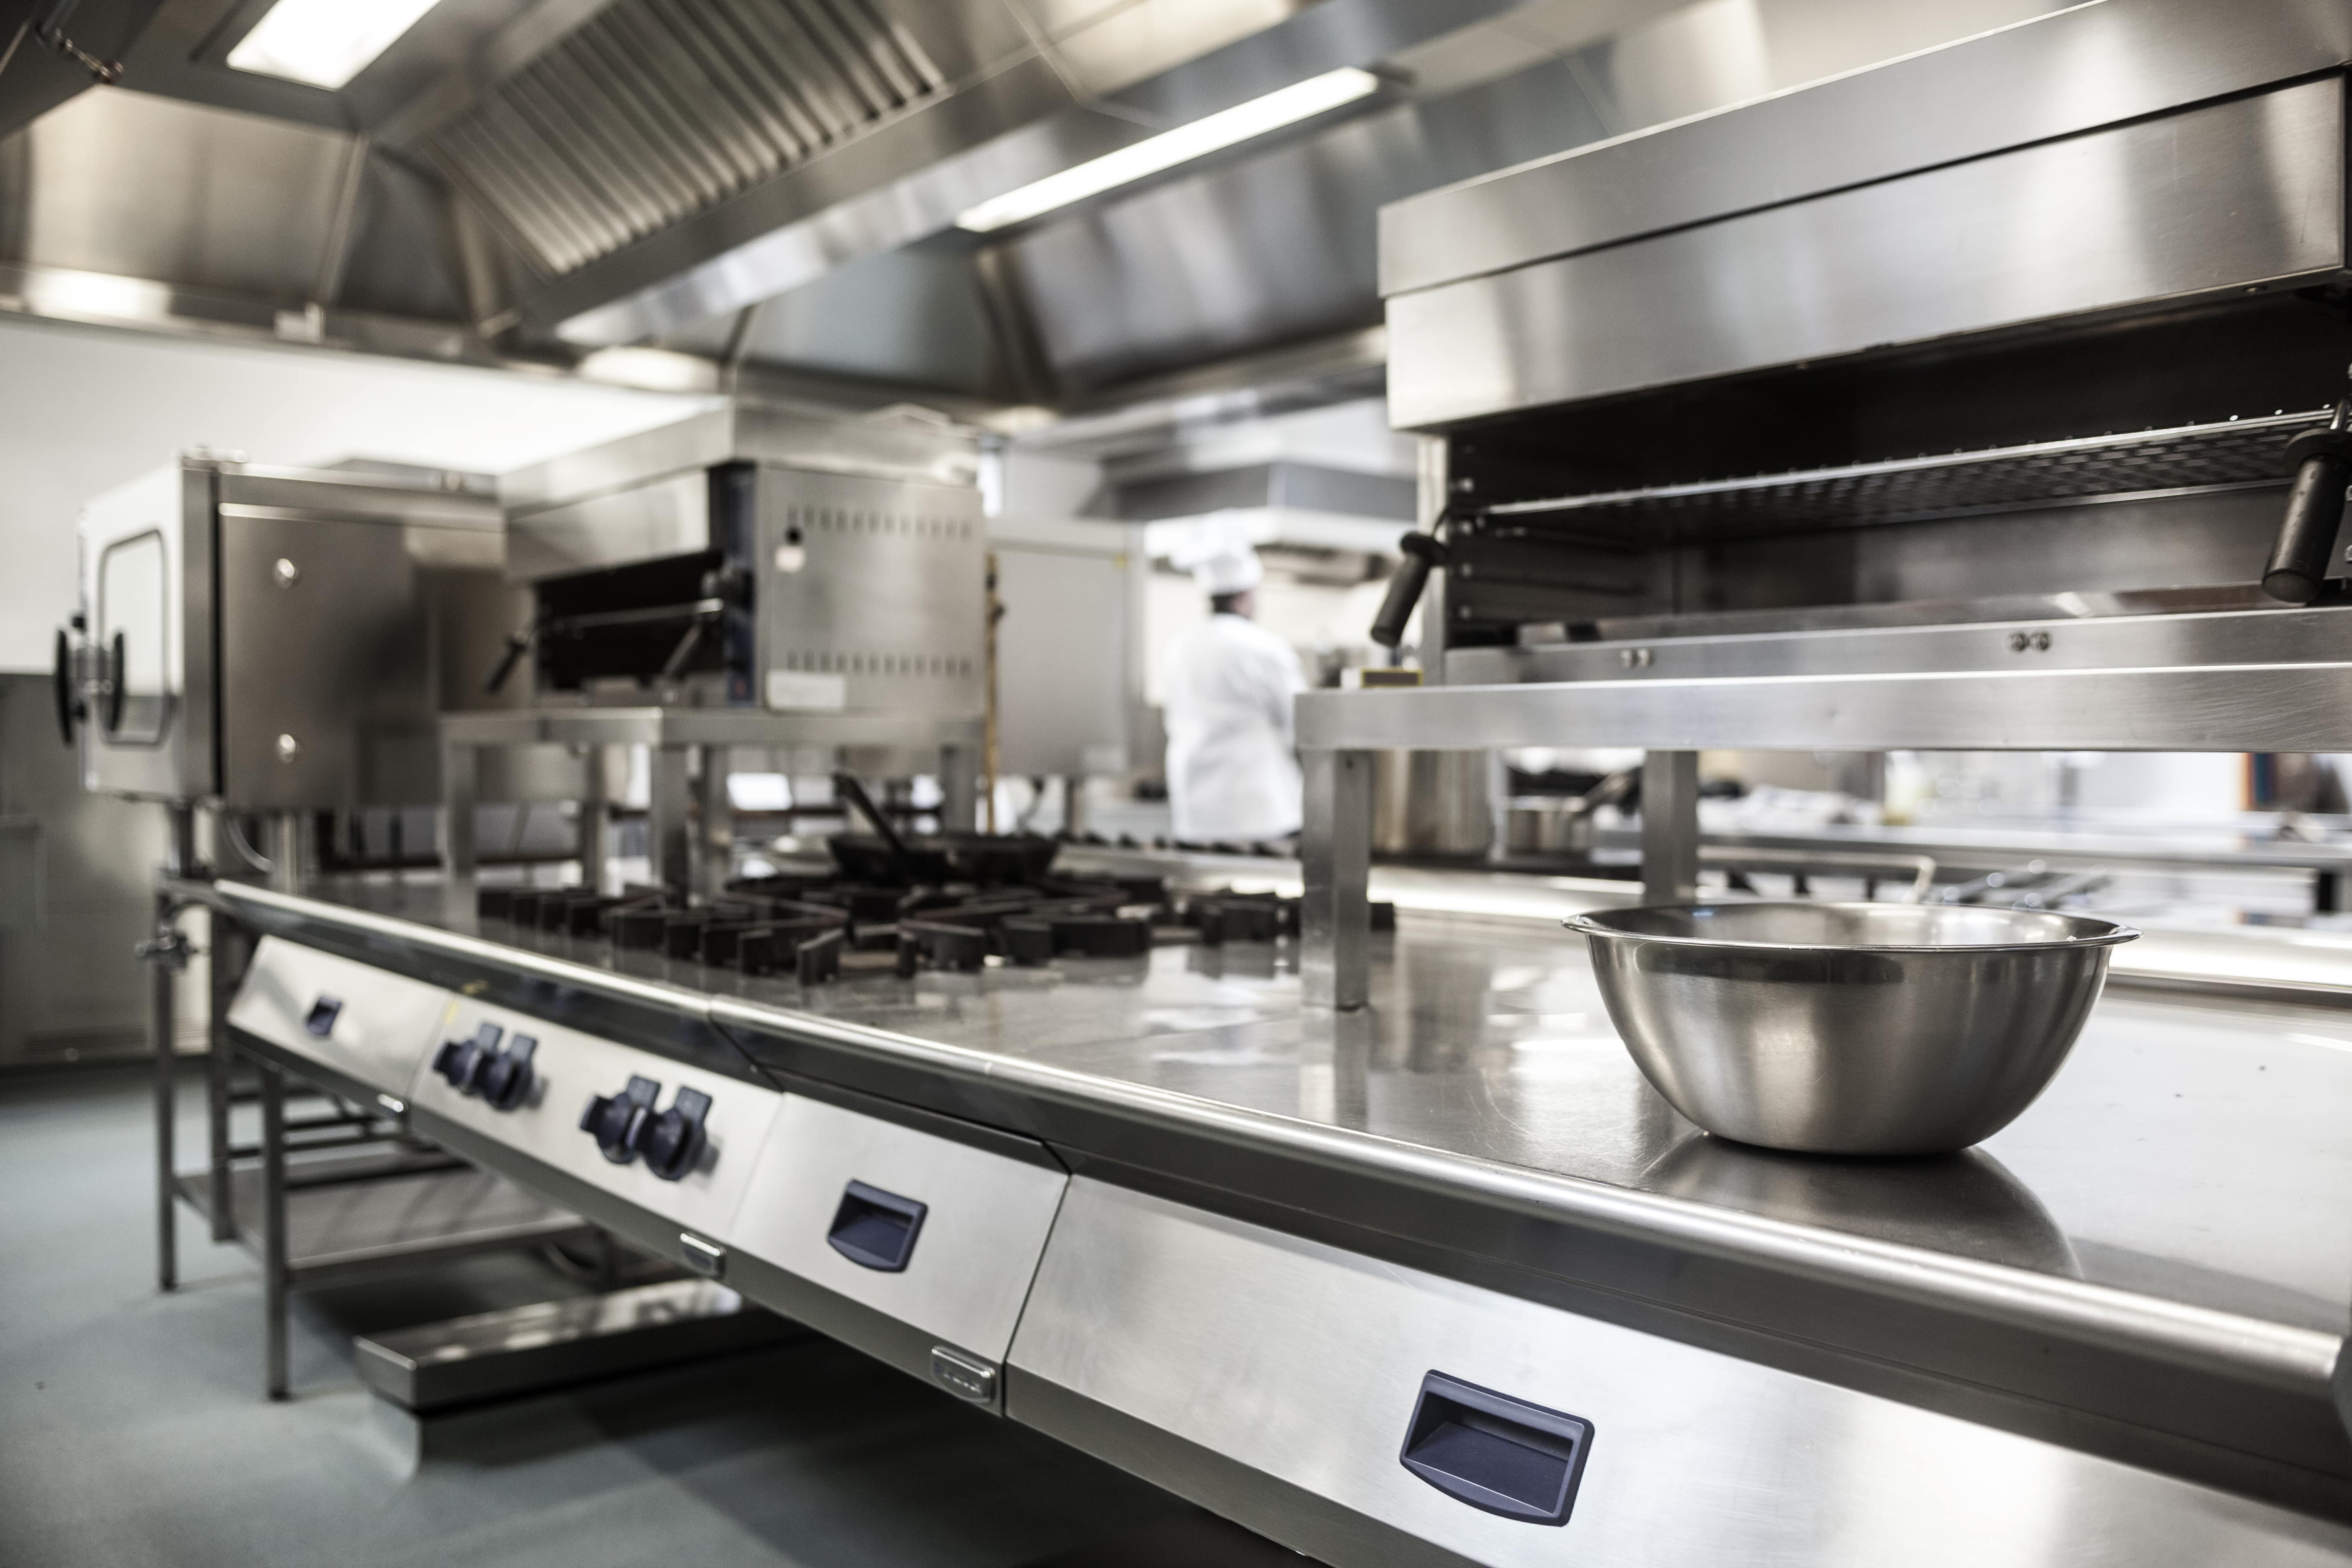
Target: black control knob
(672, 1139)
(615, 1119)
(461, 1061)
(504, 1078)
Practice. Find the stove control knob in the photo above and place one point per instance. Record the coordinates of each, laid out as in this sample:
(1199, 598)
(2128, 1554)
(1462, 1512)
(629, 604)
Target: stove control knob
(505, 1077)
(461, 1061)
(672, 1140)
(615, 1119)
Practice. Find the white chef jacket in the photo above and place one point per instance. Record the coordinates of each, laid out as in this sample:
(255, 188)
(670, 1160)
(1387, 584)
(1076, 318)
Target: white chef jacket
(1231, 777)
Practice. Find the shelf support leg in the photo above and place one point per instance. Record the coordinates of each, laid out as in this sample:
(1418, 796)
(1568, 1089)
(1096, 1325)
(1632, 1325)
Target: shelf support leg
(273, 1223)
(230, 948)
(595, 816)
(715, 830)
(958, 790)
(669, 833)
(460, 788)
(1669, 827)
(1334, 853)
(162, 1024)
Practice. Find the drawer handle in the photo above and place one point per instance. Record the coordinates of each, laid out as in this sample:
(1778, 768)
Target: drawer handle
(1495, 1452)
(876, 1229)
(323, 1013)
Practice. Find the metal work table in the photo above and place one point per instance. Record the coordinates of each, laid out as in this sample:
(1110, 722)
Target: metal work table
(2154, 1262)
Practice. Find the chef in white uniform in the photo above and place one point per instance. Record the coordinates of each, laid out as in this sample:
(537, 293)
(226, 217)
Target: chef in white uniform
(1233, 776)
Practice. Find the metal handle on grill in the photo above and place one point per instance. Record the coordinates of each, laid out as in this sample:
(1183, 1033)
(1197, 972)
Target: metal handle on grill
(845, 784)
(1422, 552)
(517, 644)
(2321, 460)
(2315, 509)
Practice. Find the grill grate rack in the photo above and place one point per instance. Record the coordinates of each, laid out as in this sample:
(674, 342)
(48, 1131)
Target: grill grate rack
(2230, 454)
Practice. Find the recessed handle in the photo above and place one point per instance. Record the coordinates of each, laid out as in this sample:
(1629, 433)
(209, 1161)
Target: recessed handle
(1497, 1453)
(876, 1229)
(320, 1021)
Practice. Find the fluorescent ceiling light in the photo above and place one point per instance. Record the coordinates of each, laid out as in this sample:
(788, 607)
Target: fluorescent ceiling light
(1300, 100)
(324, 42)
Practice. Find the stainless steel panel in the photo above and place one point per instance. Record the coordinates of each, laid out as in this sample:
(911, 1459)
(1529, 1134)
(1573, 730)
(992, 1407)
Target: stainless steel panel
(23, 875)
(979, 1240)
(568, 1070)
(128, 184)
(2055, 76)
(312, 659)
(2281, 708)
(425, 498)
(871, 595)
(666, 517)
(1065, 658)
(2268, 636)
(875, 447)
(1304, 1361)
(385, 1026)
(2101, 221)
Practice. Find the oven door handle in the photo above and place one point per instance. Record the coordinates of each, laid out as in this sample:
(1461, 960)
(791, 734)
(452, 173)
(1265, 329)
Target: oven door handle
(117, 661)
(70, 709)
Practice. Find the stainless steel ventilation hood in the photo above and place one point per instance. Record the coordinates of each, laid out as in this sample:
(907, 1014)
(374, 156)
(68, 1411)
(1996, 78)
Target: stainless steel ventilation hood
(764, 190)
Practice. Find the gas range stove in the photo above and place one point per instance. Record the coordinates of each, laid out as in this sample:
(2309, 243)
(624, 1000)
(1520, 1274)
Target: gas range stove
(813, 927)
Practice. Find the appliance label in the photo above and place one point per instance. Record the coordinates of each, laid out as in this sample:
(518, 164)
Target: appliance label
(806, 692)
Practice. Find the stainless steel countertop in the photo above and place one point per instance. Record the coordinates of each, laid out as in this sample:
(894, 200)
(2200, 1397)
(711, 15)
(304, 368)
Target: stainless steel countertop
(2196, 1154)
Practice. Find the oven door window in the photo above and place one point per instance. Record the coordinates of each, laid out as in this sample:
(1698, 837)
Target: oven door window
(133, 621)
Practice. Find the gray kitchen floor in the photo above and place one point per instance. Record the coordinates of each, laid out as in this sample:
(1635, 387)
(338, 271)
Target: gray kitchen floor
(132, 1429)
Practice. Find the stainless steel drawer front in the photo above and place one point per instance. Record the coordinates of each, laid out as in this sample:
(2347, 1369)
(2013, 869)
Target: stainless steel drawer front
(958, 1269)
(568, 1070)
(359, 1020)
(1307, 1363)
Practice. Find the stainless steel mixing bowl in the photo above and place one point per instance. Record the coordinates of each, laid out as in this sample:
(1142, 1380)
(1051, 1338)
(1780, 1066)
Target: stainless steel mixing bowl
(1849, 1028)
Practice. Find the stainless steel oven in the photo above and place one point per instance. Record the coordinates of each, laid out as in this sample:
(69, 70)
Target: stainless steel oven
(269, 639)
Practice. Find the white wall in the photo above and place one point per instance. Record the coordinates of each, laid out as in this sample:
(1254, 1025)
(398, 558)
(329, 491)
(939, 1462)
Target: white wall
(82, 410)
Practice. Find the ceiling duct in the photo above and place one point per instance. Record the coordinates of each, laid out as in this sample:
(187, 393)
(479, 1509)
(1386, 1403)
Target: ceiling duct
(656, 110)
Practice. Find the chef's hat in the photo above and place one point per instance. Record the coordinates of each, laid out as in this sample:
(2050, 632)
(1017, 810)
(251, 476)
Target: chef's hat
(1216, 550)
(1230, 571)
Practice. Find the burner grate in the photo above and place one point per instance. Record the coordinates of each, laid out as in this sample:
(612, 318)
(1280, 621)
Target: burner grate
(803, 926)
